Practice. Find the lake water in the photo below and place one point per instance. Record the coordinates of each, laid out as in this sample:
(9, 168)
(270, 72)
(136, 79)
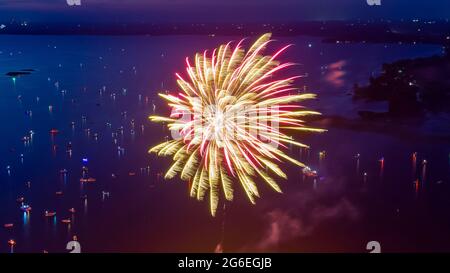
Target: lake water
(98, 92)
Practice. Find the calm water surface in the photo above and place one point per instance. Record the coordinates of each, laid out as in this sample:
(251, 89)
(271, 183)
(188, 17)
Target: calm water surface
(98, 92)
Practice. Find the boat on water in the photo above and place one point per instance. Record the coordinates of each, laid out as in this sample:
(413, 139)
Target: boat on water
(9, 225)
(66, 221)
(49, 213)
(72, 210)
(308, 172)
(54, 131)
(20, 199)
(25, 208)
(88, 180)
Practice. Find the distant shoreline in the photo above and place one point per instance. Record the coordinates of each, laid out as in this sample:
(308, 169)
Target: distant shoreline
(435, 32)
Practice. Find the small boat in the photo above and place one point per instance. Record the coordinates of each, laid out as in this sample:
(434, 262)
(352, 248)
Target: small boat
(309, 173)
(72, 210)
(66, 221)
(9, 225)
(59, 193)
(63, 171)
(25, 208)
(54, 131)
(11, 242)
(88, 180)
(20, 199)
(131, 173)
(49, 213)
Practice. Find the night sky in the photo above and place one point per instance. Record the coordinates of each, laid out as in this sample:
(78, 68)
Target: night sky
(168, 11)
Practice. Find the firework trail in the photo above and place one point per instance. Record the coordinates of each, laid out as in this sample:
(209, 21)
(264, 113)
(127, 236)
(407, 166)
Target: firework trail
(238, 109)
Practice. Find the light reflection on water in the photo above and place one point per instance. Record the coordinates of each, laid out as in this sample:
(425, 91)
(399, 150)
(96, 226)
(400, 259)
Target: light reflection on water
(109, 126)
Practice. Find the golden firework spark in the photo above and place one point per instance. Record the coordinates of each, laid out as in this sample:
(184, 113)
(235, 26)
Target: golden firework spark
(237, 108)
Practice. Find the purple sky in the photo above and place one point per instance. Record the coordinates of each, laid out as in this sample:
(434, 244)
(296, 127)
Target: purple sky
(225, 10)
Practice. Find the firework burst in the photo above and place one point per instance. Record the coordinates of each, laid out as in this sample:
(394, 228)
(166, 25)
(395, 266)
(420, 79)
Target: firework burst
(236, 113)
